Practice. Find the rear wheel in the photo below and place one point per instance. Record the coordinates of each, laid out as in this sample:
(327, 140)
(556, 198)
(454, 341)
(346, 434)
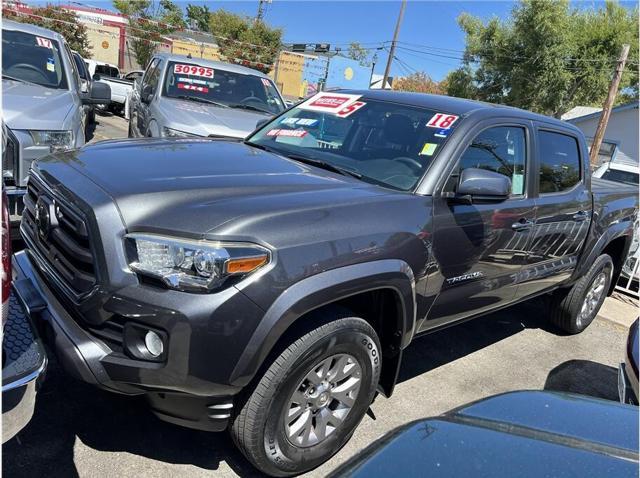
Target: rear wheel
(311, 398)
(573, 309)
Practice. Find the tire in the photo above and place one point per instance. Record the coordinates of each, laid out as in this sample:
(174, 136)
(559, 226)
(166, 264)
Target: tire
(569, 309)
(260, 429)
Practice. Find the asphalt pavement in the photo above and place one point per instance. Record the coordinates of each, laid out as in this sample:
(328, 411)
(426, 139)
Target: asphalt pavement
(79, 430)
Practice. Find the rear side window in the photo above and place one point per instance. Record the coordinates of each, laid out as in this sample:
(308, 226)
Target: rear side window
(559, 162)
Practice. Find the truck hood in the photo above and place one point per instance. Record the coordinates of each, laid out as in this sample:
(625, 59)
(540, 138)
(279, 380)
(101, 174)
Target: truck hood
(30, 106)
(205, 120)
(194, 187)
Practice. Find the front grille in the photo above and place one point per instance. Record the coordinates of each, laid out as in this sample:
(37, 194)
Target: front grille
(10, 157)
(62, 241)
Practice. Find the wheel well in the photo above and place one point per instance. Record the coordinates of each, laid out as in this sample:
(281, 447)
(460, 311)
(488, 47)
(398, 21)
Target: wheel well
(616, 249)
(381, 308)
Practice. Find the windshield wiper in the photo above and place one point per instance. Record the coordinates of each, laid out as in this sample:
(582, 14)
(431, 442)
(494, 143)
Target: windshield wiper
(199, 100)
(249, 107)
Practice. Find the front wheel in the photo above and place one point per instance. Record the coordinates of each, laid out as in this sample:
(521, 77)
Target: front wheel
(573, 309)
(310, 399)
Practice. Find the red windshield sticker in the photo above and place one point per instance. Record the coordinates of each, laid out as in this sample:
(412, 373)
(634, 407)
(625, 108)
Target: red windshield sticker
(265, 82)
(45, 42)
(329, 102)
(352, 108)
(442, 121)
(292, 133)
(199, 89)
(193, 70)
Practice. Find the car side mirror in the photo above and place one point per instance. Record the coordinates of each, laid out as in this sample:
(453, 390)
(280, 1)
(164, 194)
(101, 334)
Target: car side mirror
(261, 123)
(480, 185)
(96, 77)
(147, 93)
(100, 95)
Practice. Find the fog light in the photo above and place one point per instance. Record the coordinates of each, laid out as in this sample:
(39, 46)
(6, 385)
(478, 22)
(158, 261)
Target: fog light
(153, 342)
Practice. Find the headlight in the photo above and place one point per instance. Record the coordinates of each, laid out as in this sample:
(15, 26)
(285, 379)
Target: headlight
(194, 266)
(174, 133)
(56, 140)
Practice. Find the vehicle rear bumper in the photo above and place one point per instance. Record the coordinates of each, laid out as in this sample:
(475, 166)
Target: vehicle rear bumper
(174, 395)
(24, 364)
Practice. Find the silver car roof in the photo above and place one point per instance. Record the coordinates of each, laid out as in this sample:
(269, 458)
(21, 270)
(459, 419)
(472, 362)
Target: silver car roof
(33, 29)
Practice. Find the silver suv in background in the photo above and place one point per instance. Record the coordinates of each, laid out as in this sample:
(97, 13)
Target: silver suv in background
(42, 102)
(181, 96)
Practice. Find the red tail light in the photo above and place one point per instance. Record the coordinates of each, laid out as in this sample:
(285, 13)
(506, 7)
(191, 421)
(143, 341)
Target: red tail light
(6, 249)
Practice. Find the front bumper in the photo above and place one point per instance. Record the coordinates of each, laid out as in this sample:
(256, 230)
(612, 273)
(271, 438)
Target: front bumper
(23, 365)
(189, 388)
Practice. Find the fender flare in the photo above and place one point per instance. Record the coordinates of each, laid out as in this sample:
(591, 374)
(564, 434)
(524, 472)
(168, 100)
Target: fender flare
(321, 289)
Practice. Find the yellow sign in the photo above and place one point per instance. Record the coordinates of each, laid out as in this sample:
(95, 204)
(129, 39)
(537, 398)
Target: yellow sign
(348, 73)
(105, 44)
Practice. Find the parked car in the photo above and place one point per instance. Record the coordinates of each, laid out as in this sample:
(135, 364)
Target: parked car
(86, 84)
(270, 285)
(628, 370)
(619, 172)
(42, 101)
(110, 75)
(524, 434)
(180, 96)
(23, 357)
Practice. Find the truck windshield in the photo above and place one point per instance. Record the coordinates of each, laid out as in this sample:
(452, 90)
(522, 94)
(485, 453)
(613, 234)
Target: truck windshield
(380, 142)
(235, 90)
(33, 59)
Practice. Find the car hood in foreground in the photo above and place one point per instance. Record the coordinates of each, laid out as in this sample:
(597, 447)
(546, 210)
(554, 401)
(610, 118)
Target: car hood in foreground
(34, 107)
(197, 186)
(524, 434)
(205, 120)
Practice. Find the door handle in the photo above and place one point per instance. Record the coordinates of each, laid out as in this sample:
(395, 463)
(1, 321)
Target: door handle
(581, 216)
(522, 225)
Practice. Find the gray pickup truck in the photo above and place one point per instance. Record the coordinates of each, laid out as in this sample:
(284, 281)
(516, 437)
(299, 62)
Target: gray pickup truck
(270, 286)
(42, 102)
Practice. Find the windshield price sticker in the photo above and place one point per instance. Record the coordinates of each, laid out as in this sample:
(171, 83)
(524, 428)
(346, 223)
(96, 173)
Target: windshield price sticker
(265, 82)
(187, 86)
(193, 80)
(193, 70)
(45, 42)
(299, 121)
(292, 133)
(329, 102)
(352, 108)
(442, 121)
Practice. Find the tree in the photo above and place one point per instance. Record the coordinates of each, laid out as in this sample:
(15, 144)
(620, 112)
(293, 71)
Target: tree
(59, 20)
(358, 53)
(243, 40)
(419, 82)
(199, 15)
(148, 23)
(548, 57)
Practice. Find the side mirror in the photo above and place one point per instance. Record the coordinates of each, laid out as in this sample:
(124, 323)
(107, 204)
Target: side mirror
(261, 123)
(96, 77)
(100, 95)
(147, 93)
(480, 185)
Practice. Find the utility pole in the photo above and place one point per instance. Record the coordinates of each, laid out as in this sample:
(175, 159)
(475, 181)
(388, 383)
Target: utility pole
(392, 50)
(608, 103)
(261, 9)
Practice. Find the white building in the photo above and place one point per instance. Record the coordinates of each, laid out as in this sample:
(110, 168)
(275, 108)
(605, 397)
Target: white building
(620, 141)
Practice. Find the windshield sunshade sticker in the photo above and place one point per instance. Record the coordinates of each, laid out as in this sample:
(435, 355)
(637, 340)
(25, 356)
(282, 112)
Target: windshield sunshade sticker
(51, 64)
(442, 121)
(292, 133)
(187, 86)
(428, 149)
(352, 108)
(44, 42)
(299, 121)
(329, 102)
(193, 70)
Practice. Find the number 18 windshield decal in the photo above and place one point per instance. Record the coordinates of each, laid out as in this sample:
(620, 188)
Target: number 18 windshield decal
(442, 121)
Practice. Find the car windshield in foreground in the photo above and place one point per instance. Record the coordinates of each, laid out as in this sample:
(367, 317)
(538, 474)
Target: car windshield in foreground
(32, 59)
(377, 141)
(221, 87)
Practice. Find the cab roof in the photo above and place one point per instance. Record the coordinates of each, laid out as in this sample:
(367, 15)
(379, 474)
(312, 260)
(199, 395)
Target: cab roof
(32, 29)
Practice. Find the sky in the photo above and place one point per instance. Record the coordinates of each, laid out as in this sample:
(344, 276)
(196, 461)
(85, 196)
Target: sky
(428, 26)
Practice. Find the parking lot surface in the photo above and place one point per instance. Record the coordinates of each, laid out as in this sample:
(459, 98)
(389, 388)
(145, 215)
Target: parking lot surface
(108, 126)
(78, 430)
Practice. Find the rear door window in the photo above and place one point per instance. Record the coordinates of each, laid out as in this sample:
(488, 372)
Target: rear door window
(559, 162)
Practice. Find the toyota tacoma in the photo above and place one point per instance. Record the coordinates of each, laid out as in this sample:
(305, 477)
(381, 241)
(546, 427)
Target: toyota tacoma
(270, 285)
